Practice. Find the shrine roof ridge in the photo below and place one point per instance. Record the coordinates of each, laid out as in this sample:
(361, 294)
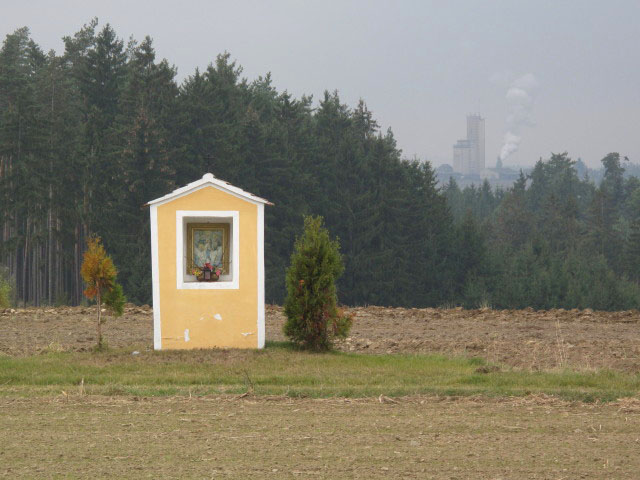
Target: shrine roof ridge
(209, 179)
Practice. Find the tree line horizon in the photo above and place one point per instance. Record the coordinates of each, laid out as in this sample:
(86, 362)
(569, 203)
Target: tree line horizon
(89, 136)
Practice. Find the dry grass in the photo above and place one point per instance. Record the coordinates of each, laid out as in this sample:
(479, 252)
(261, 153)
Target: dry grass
(274, 437)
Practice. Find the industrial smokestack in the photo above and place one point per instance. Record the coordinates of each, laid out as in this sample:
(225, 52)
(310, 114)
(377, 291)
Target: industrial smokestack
(520, 97)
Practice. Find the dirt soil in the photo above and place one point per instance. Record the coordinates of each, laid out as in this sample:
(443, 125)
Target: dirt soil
(529, 339)
(227, 437)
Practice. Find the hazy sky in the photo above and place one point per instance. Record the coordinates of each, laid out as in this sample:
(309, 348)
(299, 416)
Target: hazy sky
(421, 66)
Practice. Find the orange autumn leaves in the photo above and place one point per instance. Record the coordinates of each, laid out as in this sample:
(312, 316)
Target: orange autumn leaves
(98, 270)
(99, 273)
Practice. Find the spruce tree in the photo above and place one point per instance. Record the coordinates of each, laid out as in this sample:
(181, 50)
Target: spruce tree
(633, 251)
(89, 136)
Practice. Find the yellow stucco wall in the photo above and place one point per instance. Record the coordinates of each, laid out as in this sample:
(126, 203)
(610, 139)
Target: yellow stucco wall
(215, 318)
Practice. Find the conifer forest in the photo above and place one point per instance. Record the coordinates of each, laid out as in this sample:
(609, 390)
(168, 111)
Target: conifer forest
(89, 135)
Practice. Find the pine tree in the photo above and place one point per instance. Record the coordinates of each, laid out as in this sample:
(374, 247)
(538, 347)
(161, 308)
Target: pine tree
(142, 148)
(291, 190)
(101, 78)
(633, 251)
(89, 136)
(513, 220)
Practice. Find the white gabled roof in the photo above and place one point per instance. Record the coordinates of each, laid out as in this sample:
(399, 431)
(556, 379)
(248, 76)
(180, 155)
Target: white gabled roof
(209, 180)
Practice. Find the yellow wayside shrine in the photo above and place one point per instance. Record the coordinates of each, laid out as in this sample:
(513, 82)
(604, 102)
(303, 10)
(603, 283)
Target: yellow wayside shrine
(207, 249)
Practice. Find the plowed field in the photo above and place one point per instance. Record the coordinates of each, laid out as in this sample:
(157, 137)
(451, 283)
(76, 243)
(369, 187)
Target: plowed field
(520, 338)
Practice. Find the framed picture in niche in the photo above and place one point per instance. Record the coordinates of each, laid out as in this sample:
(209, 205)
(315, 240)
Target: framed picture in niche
(208, 243)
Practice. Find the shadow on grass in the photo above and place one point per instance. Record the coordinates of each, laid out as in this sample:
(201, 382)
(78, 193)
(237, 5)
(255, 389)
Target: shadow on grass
(293, 347)
(282, 345)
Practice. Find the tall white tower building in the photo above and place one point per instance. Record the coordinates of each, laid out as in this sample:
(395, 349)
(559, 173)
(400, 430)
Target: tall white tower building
(468, 154)
(475, 135)
(462, 157)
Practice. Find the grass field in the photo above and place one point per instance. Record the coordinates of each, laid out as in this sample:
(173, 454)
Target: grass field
(280, 370)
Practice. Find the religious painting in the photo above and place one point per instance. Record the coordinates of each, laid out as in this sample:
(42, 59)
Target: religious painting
(208, 243)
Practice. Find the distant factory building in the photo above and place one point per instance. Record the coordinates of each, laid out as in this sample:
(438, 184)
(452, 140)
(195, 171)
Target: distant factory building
(468, 154)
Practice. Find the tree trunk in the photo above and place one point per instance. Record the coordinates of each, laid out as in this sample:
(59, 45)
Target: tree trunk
(24, 265)
(99, 320)
(49, 266)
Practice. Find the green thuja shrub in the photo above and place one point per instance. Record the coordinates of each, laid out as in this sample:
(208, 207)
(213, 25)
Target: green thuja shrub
(313, 319)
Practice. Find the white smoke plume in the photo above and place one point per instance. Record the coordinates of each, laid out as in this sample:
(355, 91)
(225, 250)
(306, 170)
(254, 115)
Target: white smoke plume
(520, 96)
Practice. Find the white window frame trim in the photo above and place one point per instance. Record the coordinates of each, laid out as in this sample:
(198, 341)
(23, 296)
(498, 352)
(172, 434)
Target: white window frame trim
(233, 284)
